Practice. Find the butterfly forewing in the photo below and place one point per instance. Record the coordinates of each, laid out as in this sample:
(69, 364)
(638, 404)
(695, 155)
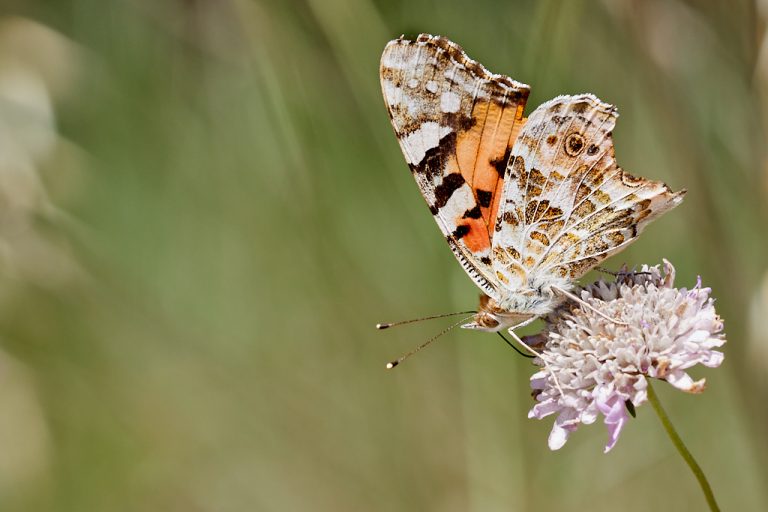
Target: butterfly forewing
(456, 124)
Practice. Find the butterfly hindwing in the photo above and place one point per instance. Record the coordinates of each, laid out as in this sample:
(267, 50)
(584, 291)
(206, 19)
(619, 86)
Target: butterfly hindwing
(568, 205)
(456, 123)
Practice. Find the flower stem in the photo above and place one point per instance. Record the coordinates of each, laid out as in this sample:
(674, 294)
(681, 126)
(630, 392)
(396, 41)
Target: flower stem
(673, 435)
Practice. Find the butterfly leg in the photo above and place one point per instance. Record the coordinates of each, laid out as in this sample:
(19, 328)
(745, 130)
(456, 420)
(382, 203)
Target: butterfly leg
(587, 305)
(513, 347)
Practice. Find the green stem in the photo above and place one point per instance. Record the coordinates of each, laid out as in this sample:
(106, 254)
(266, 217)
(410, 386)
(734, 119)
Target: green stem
(673, 435)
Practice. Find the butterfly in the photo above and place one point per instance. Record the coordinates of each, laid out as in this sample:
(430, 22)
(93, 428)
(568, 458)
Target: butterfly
(527, 204)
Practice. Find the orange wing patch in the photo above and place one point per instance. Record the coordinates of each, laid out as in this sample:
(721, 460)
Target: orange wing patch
(483, 152)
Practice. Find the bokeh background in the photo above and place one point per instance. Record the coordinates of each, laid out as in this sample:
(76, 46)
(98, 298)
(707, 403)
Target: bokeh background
(204, 211)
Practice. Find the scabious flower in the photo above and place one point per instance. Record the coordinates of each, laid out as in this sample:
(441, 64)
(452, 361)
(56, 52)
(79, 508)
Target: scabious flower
(592, 366)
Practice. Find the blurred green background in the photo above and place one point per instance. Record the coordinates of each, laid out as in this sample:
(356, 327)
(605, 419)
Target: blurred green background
(204, 211)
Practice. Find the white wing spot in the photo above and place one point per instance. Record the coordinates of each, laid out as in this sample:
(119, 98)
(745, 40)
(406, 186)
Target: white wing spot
(459, 202)
(391, 92)
(413, 83)
(432, 86)
(450, 102)
(418, 142)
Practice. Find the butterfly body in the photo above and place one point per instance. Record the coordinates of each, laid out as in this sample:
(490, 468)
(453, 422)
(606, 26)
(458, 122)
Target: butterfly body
(527, 205)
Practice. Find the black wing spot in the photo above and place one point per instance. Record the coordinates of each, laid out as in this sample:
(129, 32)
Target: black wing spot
(474, 213)
(443, 192)
(484, 198)
(432, 163)
(460, 231)
(500, 164)
(485, 260)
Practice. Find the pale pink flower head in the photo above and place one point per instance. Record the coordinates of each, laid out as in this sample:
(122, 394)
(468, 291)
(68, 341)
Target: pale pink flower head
(597, 367)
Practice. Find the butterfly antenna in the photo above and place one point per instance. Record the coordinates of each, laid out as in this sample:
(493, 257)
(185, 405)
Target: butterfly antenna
(402, 358)
(403, 322)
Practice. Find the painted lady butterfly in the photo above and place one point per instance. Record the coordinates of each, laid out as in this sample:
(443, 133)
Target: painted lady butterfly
(527, 205)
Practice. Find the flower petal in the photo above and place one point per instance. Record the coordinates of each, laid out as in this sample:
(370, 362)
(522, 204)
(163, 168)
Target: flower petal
(594, 365)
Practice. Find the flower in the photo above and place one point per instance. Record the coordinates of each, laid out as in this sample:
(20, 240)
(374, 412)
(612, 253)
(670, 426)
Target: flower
(592, 365)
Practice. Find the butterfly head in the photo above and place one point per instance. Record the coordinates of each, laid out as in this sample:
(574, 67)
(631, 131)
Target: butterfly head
(491, 317)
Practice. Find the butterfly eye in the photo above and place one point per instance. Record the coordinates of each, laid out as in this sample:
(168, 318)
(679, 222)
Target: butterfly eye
(574, 144)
